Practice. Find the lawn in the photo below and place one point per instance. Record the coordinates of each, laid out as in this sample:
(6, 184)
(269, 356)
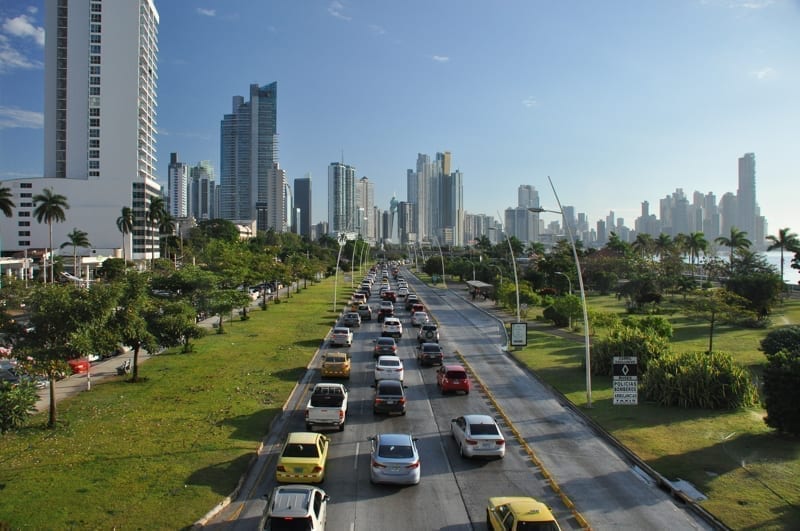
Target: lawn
(165, 451)
(748, 473)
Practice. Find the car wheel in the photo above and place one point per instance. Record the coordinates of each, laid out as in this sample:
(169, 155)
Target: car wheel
(466, 392)
(461, 450)
(488, 521)
(341, 426)
(374, 411)
(309, 426)
(403, 413)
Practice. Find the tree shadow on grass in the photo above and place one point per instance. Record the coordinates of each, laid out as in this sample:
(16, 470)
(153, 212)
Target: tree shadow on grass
(310, 343)
(221, 477)
(252, 427)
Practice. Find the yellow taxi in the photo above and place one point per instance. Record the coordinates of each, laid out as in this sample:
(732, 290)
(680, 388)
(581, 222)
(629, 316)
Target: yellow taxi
(336, 365)
(302, 458)
(517, 513)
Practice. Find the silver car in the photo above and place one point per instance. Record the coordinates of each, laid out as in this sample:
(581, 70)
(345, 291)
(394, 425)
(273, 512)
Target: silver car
(394, 459)
(478, 436)
(296, 507)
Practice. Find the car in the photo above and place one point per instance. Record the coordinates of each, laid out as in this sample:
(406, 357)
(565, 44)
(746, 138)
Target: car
(428, 333)
(430, 354)
(389, 368)
(392, 327)
(365, 312)
(293, 507)
(417, 307)
(452, 378)
(390, 397)
(519, 512)
(394, 459)
(402, 291)
(336, 365)
(302, 458)
(478, 436)
(389, 295)
(359, 297)
(341, 336)
(384, 346)
(411, 299)
(351, 319)
(419, 318)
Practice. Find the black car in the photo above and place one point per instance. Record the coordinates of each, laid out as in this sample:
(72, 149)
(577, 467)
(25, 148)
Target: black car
(430, 354)
(385, 346)
(383, 313)
(390, 397)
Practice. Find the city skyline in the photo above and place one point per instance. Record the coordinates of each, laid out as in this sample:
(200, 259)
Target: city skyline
(613, 125)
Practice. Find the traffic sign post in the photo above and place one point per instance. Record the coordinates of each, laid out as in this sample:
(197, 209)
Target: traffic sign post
(626, 381)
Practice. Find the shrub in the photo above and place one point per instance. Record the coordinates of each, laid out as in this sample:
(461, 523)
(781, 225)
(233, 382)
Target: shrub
(781, 380)
(699, 380)
(17, 403)
(655, 323)
(603, 319)
(622, 340)
(786, 338)
(552, 314)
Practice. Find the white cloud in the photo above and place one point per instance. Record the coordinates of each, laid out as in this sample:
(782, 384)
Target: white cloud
(11, 117)
(335, 9)
(754, 4)
(11, 58)
(23, 26)
(530, 101)
(377, 30)
(207, 12)
(440, 58)
(764, 73)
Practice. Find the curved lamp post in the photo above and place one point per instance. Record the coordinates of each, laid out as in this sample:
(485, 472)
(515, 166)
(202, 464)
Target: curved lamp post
(539, 210)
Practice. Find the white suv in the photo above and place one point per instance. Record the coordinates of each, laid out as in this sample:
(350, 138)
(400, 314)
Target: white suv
(392, 327)
(296, 507)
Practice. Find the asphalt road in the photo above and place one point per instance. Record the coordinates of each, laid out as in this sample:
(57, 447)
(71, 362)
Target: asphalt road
(593, 475)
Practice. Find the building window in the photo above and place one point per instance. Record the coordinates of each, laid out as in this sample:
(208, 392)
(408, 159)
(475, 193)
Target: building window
(94, 174)
(94, 111)
(24, 243)
(94, 80)
(94, 122)
(94, 70)
(95, 59)
(95, 28)
(95, 38)
(26, 194)
(94, 48)
(97, 8)
(94, 164)
(94, 133)
(94, 91)
(24, 233)
(94, 143)
(96, 17)
(23, 223)
(26, 205)
(26, 185)
(94, 153)
(24, 214)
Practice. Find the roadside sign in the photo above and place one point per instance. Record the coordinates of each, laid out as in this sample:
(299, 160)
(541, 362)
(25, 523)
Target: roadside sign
(519, 334)
(626, 381)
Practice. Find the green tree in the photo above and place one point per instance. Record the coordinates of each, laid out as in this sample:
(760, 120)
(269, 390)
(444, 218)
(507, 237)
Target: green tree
(6, 203)
(50, 209)
(173, 324)
(736, 241)
(155, 214)
(223, 301)
(785, 241)
(63, 318)
(646, 345)
(129, 322)
(111, 269)
(643, 245)
(718, 306)
(17, 403)
(696, 243)
(785, 338)
(781, 386)
(662, 245)
(125, 226)
(77, 238)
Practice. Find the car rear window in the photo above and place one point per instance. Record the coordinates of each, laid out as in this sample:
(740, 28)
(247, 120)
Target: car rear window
(390, 387)
(457, 375)
(300, 450)
(483, 429)
(390, 363)
(395, 451)
(289, 524)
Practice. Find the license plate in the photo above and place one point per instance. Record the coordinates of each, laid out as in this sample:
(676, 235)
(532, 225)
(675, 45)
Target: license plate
(395, 469)
(487, 445)
(391, 402)
(298, 470)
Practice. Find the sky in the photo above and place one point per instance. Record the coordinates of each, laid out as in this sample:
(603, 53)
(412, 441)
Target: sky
(618, 102)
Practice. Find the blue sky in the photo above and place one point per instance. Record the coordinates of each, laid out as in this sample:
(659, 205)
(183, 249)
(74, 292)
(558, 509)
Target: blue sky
(619, 101)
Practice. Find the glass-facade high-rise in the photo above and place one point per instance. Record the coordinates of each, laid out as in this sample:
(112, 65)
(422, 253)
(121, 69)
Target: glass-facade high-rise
(302, 202)
(341, 198)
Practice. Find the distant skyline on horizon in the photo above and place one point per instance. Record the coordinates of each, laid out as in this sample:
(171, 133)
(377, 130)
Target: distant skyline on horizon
(618, 103)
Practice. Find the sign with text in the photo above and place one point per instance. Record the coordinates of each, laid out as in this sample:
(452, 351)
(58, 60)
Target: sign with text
(626, 381)
(519, 334)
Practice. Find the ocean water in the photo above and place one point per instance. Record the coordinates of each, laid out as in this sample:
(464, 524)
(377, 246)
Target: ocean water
(790, 276)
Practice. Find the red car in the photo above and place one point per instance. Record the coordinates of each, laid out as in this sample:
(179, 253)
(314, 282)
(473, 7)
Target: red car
(452, 378)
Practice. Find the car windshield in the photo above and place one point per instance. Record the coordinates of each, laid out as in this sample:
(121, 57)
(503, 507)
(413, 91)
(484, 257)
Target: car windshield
(290, 524)
(395, 451)
(483, 429)
(300, 450)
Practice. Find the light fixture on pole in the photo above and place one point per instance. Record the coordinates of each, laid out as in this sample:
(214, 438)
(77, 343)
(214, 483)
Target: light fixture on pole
(568, 227)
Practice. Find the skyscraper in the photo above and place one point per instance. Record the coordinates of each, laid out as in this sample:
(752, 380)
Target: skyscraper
(747, 210)
(251, 181)
(341, 197)
(99, 134)
(365, 203)
(202, 191)
(178, 186)
(302, 202)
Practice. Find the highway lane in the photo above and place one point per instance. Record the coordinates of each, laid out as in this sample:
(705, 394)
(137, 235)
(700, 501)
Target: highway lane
(598, 479)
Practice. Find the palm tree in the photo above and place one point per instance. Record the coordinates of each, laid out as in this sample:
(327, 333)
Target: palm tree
(737, 241)
(6, 204)
(696, 242)
(154, 216)
(662, 245)
(125, 226)
(166, 228)
(77, 238)
(50, 208)
(785, 241)
(644, 245)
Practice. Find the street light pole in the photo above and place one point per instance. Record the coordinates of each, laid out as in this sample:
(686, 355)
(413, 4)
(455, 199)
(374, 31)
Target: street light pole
(588, 359)
(441, 257)
(514, 267)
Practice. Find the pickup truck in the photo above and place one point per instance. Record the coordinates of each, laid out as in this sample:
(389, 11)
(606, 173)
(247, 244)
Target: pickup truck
(327, 406)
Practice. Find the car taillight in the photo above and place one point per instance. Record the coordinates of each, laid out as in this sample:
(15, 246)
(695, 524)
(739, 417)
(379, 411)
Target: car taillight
(471, 442)
(341, 415)
(317, 469)
(413, 465)
(379, 400)
(500, 442)
(401, 401)
(281, 468)
(376, 464)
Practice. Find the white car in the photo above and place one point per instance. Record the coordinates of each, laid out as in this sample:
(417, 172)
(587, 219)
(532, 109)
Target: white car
(296, 507)
(392, 327)
(478, 436)
(341, 336)
(419, 318)
(389, 368)
(402, 291)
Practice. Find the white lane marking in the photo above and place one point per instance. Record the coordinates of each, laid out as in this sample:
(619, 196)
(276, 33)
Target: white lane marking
(355, 457)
